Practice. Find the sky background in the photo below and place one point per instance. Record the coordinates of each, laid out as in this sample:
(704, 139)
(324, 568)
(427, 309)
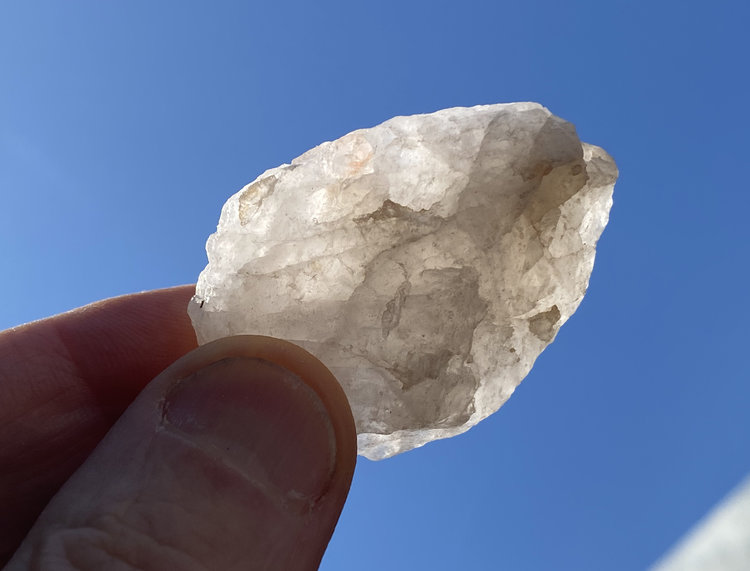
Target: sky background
(125, 125)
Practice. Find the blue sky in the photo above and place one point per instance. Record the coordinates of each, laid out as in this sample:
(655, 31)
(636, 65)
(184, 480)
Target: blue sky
(124, 126)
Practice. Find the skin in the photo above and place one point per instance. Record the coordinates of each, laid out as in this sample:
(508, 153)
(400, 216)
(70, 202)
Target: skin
(123, 445)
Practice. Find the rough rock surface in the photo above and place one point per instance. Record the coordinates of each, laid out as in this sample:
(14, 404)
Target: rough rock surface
(427, 261)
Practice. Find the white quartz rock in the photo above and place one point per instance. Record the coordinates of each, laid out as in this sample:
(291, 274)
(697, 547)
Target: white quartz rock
(427, 261)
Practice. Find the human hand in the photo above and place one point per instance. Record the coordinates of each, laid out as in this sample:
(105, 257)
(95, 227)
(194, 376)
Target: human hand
(238, 455)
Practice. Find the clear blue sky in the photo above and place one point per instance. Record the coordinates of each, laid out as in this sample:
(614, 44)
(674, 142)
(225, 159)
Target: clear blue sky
(124, 126)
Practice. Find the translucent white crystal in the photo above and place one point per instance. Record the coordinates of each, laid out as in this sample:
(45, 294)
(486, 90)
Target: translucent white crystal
(427, 261)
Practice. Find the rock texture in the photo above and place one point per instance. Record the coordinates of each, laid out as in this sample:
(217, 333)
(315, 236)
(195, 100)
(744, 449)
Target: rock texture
(427, 261)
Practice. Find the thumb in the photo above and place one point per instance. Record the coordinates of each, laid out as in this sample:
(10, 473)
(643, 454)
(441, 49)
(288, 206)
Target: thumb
(239, 455)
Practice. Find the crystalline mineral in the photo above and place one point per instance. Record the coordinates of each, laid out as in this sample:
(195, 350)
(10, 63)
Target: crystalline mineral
(427, 261)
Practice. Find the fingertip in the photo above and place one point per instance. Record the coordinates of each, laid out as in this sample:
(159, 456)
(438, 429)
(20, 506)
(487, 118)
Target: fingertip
(299, 362)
